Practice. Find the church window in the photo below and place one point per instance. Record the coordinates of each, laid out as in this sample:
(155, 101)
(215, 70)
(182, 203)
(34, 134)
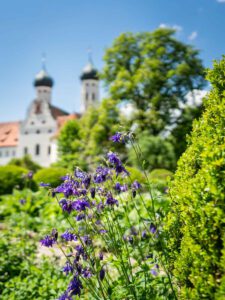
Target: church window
(26, 132)
(43, 122)
(13, 153)
(37, 149)
(49, 150)
(93, 96)
(93, 84)
(32, 123)
(38, 131)
(7, 153)
(87, 84)
(86, 96)
(49, 131)
(0, 154)
(25, 150)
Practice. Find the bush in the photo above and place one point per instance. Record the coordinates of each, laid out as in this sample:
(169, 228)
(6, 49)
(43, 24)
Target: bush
(157, 152)
(196, 223)
(159, 178)
(11, 177)
(50, 175)
(25, 162)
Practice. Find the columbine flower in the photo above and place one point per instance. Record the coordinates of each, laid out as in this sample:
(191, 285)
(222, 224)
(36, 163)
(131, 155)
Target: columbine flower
(87, 240)
(80, 204)
(67, 268)
(68, 236)
(75, 286)
(44, 184)
(48, 241)
(154, 270)
(100, 256)
(102, 274)
(102, 174)
(80, 217)
(144, 234)
(114, 159)
(117, 138)
(103, 231)
(111, 201)
(136, 185)
(22, 201)
(65, 296)
(66, 205)
(152, 228)
(30, 175)
(92, 191)
(86, 273)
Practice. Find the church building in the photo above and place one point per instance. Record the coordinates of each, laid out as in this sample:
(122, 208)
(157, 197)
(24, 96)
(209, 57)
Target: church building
(37, 134)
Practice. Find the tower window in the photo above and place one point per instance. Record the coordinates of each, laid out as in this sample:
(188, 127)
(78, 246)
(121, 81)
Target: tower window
(93, 96)
(49, 150)
(37, 149)
(86, 96)
(38, 131)
(87, 84)
(93, 84)
(25, 150)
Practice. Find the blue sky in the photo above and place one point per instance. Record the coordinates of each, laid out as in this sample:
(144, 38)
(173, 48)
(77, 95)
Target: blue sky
(65, 29)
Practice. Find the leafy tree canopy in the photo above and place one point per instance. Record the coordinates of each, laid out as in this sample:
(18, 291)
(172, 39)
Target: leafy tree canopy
(154, 71)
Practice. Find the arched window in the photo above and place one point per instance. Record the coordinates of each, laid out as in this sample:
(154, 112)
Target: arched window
(38, 131)
(86, 96)
(93, 96)
(37, 149)
(25, 150)
(49, 150)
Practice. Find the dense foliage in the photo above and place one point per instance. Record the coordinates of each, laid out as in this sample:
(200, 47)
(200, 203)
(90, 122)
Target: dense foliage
(51, 175)
(195, 225)
(25, 162)
(154, 71)
(13, 177)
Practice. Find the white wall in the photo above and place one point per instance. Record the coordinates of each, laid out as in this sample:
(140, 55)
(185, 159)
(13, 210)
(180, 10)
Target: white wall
(6, 154)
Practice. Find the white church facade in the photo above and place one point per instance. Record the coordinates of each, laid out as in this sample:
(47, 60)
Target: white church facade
(37, 134)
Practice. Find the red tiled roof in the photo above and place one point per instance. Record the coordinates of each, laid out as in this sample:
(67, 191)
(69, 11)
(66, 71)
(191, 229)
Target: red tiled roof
(57, 112)
(9, 134)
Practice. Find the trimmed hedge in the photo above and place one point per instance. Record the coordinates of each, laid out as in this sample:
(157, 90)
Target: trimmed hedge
(12, 177)
(196, 223)
(159, 178)
(50, 175)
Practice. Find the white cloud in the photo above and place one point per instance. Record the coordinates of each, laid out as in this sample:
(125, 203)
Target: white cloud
(193, 36)
(221, 1)
(178, 28)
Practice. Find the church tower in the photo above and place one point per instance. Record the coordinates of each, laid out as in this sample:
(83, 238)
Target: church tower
(89, 86)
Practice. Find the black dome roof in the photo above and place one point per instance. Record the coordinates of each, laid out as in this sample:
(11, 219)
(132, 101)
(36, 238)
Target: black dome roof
(43, 79)
(89, 72)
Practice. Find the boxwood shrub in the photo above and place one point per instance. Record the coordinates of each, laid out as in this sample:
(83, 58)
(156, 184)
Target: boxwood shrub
(50, 175)
(196, 224)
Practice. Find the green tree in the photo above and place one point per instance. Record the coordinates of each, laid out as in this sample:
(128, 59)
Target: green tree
(195, 224)
(154, 71)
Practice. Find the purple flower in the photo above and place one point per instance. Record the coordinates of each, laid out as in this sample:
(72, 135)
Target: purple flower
(144, 234)
(68, 236)
(111, 201)
(48, 241)
(86, 273)
(22, 201)
(80, 217)
(152, 228)
(86, 181)
(102, 274)
(100, 256)
(44, 184)
(80, 250)
(136, 185)
(65, 296)
(67, 268)
(102, 231)
(66, 205)
(114, 159)
(75, 286)
(154, 272)
(79, 174)
(87, 240)
(55, 234)
(102, 174)
(30, 175)
(92, 191)
(117, 138)
(80, 204)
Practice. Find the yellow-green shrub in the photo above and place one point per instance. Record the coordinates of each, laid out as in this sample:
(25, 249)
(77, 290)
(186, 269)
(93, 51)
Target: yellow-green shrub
(196, 223)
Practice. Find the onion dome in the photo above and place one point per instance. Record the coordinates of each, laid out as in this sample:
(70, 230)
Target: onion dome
(89, 72)
(43, 79)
